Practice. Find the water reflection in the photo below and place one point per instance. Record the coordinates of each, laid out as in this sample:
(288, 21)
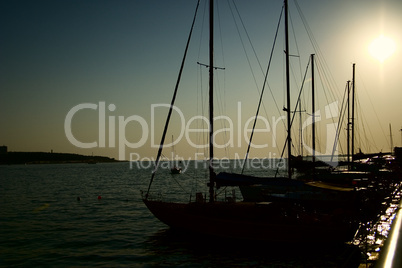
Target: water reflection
(170, 247)
(372, 235)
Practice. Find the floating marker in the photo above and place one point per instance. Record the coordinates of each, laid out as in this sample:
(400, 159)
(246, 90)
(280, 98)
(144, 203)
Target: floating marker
(99, 197)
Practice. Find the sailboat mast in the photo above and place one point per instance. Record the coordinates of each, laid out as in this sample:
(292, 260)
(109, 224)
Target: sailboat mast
(211, 101)
(348, 127)
(171, 105)
(172, 149)
(313, 112)
(401, 136)
(289, 140)
(353, 112)
(390, 136)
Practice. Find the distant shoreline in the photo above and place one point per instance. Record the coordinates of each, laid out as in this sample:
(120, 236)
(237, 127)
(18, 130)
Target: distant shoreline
(31, 158)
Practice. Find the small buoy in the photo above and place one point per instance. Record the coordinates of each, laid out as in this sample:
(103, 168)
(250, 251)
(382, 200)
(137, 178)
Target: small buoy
(99, 197)
(78, 198)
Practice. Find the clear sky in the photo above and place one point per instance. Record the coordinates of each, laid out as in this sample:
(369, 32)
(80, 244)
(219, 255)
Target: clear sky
(55, 55)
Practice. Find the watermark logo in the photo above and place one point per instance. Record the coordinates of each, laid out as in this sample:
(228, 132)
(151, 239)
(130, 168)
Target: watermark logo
(200, 161)
(109, 124)
(331, 112)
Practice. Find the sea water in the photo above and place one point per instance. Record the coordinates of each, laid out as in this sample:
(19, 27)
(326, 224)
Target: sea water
(72, 215)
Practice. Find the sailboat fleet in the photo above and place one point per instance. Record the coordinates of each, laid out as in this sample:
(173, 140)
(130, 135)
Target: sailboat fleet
(275, 209)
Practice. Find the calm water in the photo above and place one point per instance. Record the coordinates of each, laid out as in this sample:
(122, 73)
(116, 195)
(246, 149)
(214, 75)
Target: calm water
(43, 224)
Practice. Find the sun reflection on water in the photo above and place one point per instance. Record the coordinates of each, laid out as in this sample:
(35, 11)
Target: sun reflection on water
(372, 235)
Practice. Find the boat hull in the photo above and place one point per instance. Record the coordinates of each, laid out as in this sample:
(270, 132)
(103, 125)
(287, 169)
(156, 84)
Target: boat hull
(175, 170)
(253, 221)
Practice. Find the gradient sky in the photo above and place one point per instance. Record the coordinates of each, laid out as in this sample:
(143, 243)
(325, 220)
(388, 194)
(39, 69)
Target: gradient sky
(55, 55)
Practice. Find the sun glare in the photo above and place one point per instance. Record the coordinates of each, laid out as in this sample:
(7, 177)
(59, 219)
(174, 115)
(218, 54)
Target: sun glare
(382, 48)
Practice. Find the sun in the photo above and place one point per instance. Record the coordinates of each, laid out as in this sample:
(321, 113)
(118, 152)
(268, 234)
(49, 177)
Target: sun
(382, 48)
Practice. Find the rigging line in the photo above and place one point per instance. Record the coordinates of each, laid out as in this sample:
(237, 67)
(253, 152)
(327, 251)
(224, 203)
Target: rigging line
(294, 114)
(221, 106)
(222, 110)
(300, 92)
(200, 138)
(244, 49)
(220, 32)
(221, 100)
(198, 57)
(202, 29)
(324, 78)
(334, 93)
(371, 135)
(178, 183)
(262, 93)
(223, 190)
(361, 126)
(246, 32)
(372, 106)
(172, 103)
(326, 96)
(204, 136)
(164, 157)
(304, 102)
(367, 141)
(280, 160)
(255, 54)
(358, 134)
(294, 132)
(363, 122)
(316, 46)
(296, 44)
(293, 75)
(340, 122)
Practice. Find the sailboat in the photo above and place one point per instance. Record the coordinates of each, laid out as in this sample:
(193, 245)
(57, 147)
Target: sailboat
(174, 169)
(307, 190)
(277, 221)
